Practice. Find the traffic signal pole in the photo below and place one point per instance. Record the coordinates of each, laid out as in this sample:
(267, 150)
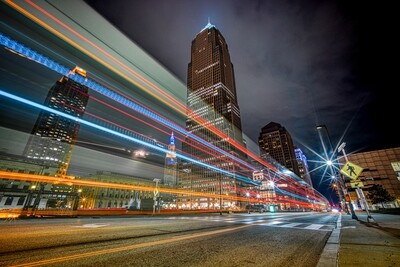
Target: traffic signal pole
(359, 191)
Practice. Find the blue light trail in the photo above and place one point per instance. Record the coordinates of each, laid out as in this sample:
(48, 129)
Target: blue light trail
(104, 129)
(59, 68)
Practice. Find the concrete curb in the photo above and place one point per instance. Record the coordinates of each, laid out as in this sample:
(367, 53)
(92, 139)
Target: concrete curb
(330, 254)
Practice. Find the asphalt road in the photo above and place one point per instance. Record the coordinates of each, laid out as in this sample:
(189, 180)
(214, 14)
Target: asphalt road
(268, 239)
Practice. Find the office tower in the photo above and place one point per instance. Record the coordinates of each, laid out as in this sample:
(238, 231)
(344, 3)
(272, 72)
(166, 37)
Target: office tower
(276, 142)
(303, 166)
(211, 98)
(170, 167)
(53, 136)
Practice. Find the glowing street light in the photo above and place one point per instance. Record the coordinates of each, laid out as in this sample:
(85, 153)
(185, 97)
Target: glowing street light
(331, 166)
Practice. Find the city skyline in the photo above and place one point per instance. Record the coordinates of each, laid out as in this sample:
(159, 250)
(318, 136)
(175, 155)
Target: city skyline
(144, 68)
(300, 65)
(132, 161)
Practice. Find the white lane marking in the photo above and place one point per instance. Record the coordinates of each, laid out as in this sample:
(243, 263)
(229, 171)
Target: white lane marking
(290, 225)
(314, 226)
(273, 223)
(92, 225)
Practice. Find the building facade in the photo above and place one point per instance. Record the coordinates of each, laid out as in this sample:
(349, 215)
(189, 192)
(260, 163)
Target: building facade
(379, 167)
(109, 197)
(303, 166)
(53, 136)
(212, 107)
(276, 142)
(15, 194)
(48, 150)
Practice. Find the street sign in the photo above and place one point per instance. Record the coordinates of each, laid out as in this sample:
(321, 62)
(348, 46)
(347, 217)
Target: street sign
(351, 170)
(357, 184)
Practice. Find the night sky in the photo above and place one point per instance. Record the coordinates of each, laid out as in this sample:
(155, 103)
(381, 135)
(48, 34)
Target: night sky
(297, 63)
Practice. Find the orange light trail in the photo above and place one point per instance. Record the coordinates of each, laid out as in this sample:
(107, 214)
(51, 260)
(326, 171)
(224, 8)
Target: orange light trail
(199, 119)
(174, 105)
(148, 124)
(144, 122)
(120, 63)
(71, 181)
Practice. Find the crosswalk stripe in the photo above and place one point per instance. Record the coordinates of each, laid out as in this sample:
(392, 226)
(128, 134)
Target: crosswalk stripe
(263, 222)
(290, 225)
(314, 226)
(273, 223)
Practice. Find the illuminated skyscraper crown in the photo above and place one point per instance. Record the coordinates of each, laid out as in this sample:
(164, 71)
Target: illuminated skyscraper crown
(208, 26)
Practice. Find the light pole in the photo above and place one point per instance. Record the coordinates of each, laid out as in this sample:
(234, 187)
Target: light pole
(156, 193)
(333, 170)
(77, 199)
(220, 195)
(248, 202)
(359, 190)
(28, 200)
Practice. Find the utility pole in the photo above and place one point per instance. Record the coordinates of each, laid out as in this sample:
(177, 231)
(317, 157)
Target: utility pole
(220, 194)
(353, 214)
(155, 195)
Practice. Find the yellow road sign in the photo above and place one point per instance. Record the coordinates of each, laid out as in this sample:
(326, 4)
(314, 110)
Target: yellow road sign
(351, 170)
(357, 184)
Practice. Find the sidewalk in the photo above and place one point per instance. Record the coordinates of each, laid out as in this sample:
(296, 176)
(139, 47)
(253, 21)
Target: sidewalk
(376, 243)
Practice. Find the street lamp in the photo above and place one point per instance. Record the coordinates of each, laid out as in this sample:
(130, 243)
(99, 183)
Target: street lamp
(248, 202)
(156, 194)
(220, 195)
(330, 163)
(322, 126)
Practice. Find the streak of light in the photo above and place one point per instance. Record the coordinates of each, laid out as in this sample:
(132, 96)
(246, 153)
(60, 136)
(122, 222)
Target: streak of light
(104, 129)
(72, 181)
(108, 93)
(184, 110)
(148, 124)
(142, 79)
(173, 105)
(61, 69)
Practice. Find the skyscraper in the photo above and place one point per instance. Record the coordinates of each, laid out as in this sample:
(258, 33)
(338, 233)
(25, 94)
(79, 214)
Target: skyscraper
(303, 166)
(212, 97)
(275, 141)
(170, 167)
(53, 136)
